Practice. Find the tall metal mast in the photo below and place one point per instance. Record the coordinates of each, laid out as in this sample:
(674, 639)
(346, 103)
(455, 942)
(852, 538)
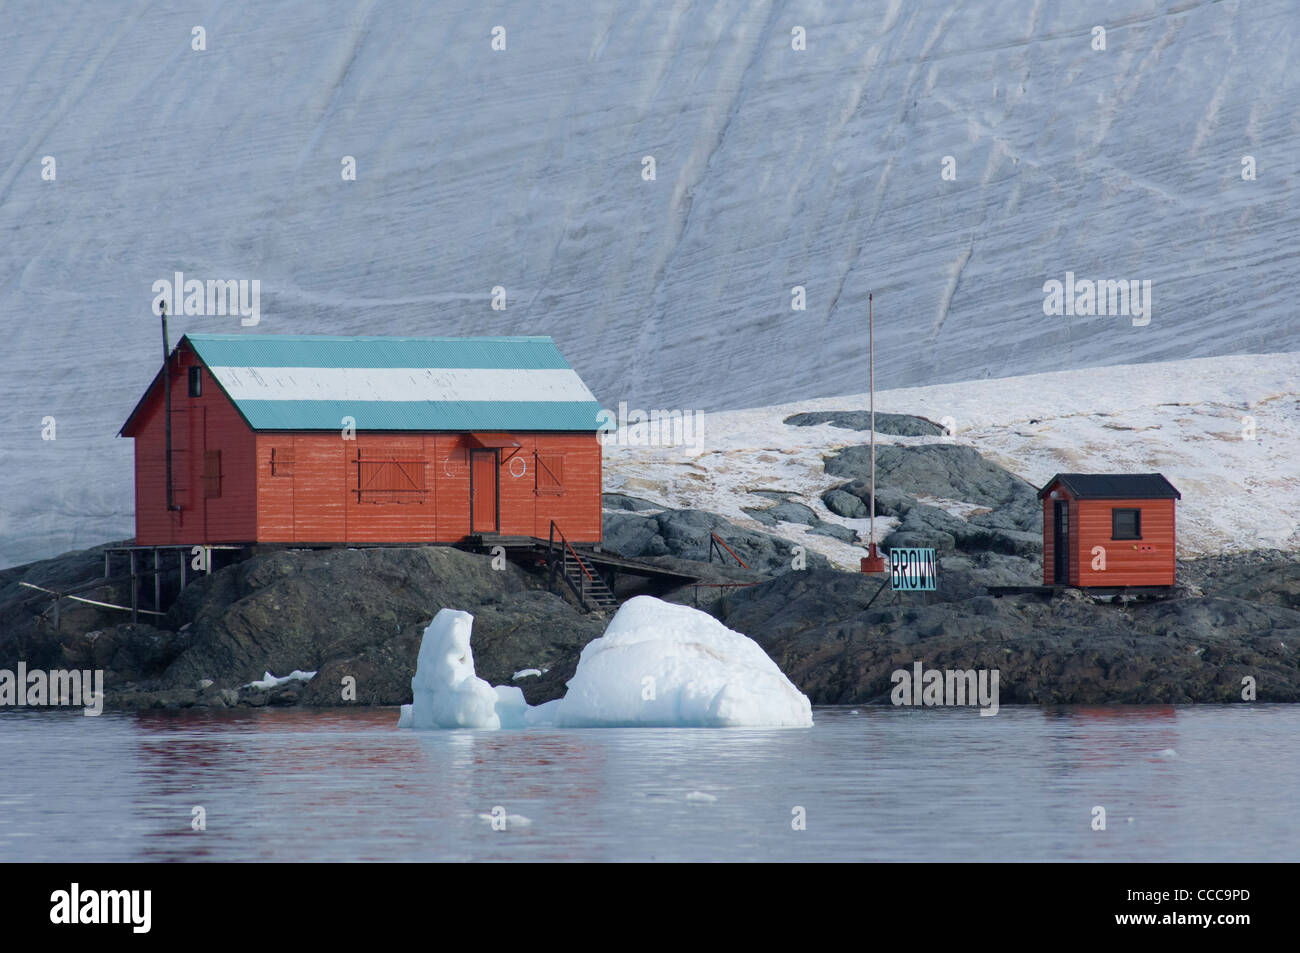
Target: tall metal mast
(873, 562)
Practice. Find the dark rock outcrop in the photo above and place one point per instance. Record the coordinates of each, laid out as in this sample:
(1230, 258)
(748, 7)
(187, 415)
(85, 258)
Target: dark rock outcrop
(685, 534)
(1008, 519)
(944, 470)
(894, 425)
(1066, 648)
(791, 511)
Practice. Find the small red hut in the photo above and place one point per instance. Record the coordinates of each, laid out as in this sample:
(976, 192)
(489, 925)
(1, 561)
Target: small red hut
(1108, 530)
(313, 439)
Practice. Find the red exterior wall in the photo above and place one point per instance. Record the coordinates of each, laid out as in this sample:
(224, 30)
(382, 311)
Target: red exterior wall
(1049, 542)
(320, 498)
(1148, 561)
(199, 424)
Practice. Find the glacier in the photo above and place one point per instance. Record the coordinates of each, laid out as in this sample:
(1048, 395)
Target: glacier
(523, 169)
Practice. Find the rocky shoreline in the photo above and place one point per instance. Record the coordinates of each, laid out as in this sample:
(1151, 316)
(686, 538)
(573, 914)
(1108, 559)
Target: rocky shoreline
(355, 616)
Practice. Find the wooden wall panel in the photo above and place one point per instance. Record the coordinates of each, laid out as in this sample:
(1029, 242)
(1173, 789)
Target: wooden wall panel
(319, 488)
(1148, 561)
(276, 465)
(518, 480)
(450, 463)
(199, 424)
(578, 510)
(1049, 541)
(232, 517)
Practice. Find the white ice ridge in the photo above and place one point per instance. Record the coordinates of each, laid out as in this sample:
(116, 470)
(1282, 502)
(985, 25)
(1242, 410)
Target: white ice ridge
(657, 665)
(269, 681)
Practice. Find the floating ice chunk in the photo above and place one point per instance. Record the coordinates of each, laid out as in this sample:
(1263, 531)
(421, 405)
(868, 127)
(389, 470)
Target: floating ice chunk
(658, 664)
(270, 681)
(1167, 753)
(664, 664)
(512, 820)
(447, 693)
(701, 797)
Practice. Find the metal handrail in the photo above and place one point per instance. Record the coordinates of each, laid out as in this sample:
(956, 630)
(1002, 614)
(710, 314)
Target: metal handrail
(566, 549)
(714, 538)
(569, 546)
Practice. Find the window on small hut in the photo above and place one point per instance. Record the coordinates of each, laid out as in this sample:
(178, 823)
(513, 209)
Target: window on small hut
(211, 474)
(1125, 524)
(550, 473)
(196, 381)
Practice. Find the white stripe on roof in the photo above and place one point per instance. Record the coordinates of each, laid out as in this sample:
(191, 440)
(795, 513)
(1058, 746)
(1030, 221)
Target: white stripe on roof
(401, 384)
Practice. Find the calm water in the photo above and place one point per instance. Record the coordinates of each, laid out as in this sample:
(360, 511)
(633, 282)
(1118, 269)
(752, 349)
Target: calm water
(879, 784)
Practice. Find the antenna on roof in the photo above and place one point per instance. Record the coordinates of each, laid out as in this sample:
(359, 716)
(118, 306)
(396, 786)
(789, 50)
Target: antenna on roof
(873, 562)
(167, 403)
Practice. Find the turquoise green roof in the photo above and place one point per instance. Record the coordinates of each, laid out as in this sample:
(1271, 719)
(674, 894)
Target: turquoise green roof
(313, 382)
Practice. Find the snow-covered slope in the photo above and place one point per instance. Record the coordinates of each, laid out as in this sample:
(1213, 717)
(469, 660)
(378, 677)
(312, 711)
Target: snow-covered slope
(1190, 420)
(523, 169)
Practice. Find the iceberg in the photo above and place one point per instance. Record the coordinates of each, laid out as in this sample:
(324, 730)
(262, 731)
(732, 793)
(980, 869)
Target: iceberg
(668, 665)
(447, 693)
(657, 665)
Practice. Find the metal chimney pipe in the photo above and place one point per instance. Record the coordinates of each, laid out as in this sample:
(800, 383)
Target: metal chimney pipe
(167, 404)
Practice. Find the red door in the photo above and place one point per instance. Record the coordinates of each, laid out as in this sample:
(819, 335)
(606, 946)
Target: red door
(483, 491)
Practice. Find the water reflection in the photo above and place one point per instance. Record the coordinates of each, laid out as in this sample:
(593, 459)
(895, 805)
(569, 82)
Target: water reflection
(882, 783)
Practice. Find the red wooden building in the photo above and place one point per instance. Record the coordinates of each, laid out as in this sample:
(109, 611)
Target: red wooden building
(327, 440)
(1106, 530)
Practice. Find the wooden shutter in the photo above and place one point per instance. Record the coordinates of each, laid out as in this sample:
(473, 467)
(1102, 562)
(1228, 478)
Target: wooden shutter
(550, 473)
(211, 474)
(282, 461)
(390, 476)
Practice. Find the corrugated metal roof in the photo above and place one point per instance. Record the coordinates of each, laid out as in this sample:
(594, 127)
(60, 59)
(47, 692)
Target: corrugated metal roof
(420, 415)
(1114, 486)
(314, 350)
(312, 382)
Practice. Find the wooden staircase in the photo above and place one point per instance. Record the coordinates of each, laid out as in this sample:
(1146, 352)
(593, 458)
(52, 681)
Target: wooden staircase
(586, 582)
